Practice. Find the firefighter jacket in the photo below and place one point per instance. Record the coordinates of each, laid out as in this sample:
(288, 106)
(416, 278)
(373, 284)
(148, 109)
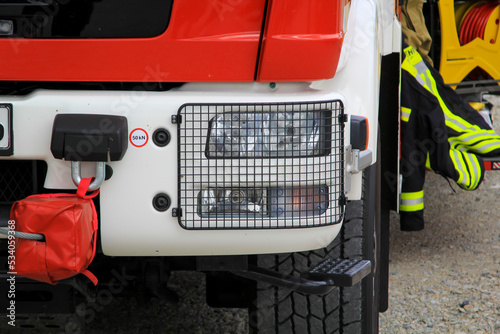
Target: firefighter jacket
(439, 131)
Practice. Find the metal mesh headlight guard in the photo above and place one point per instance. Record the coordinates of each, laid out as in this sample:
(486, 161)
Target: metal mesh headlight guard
(258, 166)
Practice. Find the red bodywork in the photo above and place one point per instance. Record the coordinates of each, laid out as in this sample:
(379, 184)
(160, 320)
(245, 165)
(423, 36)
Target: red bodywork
(302, 40)
(206, 41)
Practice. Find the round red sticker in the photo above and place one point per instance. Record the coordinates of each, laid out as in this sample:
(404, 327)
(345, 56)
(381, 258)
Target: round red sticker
(138, 137)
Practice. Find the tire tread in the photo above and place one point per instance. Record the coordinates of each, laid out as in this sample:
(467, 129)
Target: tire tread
(279, 310)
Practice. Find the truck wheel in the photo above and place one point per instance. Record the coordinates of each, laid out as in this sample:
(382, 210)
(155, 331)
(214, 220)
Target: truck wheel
(343, 310)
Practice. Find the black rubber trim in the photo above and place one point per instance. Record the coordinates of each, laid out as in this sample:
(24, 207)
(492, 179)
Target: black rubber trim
(9, 150)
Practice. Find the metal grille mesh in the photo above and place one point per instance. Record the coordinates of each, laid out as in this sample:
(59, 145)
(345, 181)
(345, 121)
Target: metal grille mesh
(17, 180)
(258, 166)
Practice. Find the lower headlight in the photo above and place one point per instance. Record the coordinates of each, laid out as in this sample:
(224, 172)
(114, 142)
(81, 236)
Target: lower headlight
(227, 201)
(271, 202)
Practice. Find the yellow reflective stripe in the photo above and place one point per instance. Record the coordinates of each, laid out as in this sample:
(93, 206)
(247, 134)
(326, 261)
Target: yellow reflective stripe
(452, 121)
(425, 76)
(428, 162)
(484, 147)
(474, 169)
(472, 137)
(405, 114)
(481, 142)
(412, 201)
(463, 168)
(412, 56)
(413, 195)
(411, 208)
(472, 173)
(456, 145)
(466, 164)
(412, 63)
(459, 167)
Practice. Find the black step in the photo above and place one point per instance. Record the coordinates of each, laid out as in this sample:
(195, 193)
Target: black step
(343, 272)
(318, 280)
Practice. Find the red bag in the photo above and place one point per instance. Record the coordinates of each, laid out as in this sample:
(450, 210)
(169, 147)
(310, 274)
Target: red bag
(69, 225)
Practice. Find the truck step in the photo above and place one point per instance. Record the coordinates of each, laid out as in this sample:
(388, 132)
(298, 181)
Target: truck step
(343, 272)
(318, 280)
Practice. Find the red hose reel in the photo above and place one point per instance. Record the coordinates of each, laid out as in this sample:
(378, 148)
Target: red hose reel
(476, 20)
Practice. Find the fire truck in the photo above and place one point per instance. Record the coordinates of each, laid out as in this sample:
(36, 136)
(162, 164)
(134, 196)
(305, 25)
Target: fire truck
(253, 141)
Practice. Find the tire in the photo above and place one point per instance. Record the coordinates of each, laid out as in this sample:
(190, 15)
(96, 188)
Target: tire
(343, 310)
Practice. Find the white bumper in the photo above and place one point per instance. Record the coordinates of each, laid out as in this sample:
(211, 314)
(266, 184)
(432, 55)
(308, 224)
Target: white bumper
(129, 224)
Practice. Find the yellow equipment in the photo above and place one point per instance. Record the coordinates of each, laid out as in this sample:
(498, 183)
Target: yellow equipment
(469, 35)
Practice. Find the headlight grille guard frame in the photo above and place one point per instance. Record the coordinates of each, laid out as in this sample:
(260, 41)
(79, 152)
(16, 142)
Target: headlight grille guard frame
(197, 172)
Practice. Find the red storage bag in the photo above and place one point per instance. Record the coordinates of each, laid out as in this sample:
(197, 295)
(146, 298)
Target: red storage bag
(69, 224)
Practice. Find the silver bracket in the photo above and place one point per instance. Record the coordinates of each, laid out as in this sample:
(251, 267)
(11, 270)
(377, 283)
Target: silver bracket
(348, 163)
(358, 160)
(100, 173)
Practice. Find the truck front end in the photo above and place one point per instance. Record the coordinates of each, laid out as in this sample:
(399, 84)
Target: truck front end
(223, 133)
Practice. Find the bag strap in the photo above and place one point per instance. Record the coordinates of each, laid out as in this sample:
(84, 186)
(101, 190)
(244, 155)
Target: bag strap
(90, 276)
(95, 225)
(83, 187)
(82, 193)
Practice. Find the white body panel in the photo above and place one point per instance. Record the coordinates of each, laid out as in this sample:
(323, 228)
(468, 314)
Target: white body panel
(389, 28)
(358, 80)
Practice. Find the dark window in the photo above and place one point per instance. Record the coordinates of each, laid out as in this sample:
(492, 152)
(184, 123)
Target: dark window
(87, 18)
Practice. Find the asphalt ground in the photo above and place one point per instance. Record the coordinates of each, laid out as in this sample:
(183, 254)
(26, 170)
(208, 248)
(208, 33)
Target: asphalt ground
(446, 278)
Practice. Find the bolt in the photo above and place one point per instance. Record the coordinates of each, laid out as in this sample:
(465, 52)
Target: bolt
(161, 202)
(161, 137)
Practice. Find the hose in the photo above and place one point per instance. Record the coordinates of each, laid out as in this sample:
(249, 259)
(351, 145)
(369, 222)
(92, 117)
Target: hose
(473, 25)
(475, 20)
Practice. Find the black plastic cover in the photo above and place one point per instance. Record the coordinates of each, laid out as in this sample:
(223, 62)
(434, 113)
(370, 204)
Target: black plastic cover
(83, 137)
(6, 129)
(359, 133)
(87, 18)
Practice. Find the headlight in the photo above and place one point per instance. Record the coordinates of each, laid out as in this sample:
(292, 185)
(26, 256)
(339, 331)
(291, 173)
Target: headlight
(228, 201)
(268, 134)
(271, 202)
(260, 165)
